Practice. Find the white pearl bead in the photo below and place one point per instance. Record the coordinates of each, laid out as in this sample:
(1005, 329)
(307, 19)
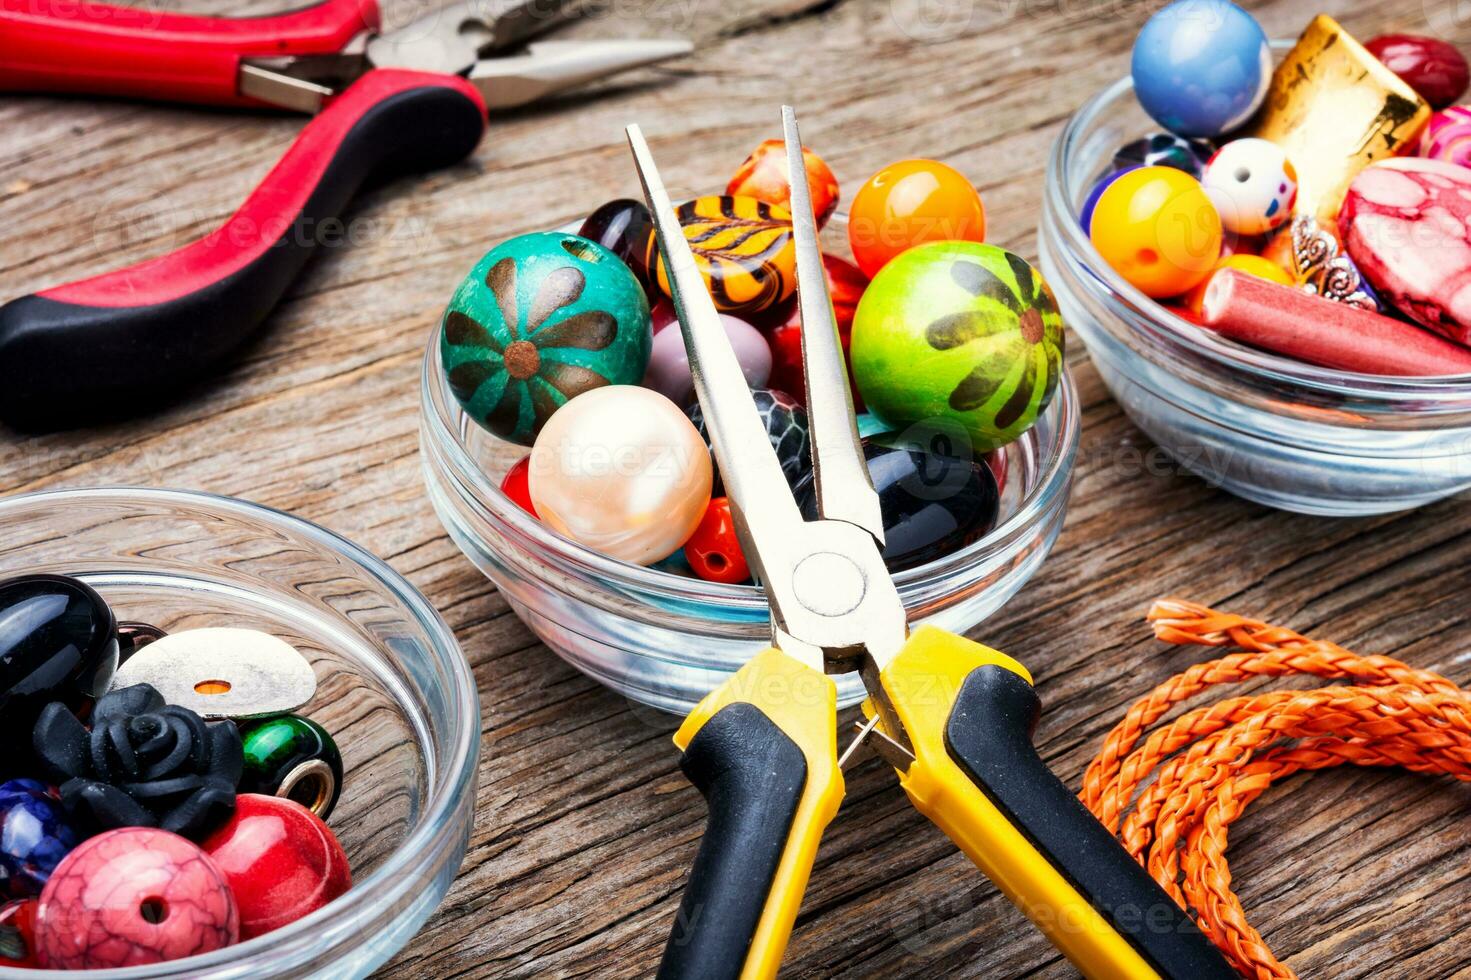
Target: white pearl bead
(621, 470)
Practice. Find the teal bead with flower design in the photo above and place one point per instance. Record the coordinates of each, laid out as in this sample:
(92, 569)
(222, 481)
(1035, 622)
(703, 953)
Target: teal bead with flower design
(958, 330)
(540, 319)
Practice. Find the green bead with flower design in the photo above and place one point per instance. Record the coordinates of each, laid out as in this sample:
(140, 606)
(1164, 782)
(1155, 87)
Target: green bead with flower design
(540, 319)
(962, 331)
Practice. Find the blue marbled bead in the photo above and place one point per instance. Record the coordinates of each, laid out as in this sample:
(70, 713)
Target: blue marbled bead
(1201, 67)
(34, 837)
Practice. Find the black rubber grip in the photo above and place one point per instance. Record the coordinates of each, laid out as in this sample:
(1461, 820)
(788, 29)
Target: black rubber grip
(68, 359)
(989, 735)
(752, 777)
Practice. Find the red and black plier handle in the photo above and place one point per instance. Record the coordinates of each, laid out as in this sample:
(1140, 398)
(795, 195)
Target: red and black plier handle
(139, 52)
(144, 332)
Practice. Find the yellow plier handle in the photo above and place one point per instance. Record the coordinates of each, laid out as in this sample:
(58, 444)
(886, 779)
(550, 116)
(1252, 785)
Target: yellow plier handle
(969, 712)
(762, 749)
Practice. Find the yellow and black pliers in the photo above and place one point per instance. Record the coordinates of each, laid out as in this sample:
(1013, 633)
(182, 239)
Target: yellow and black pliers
(953, 717)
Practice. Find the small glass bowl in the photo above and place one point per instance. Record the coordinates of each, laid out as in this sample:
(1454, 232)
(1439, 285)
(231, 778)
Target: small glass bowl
(394, 690)
(665, 640)
(1267, 428)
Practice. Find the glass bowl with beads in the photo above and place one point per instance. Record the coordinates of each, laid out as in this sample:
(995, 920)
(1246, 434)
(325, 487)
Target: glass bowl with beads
(666, 640)
(393, 690)
(1272, 430)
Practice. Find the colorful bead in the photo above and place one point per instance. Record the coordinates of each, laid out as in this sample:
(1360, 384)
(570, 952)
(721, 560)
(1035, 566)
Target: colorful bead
(280, 860)
(18, 934)
(714, 550)
(1090, 203)
(1448, 136)
(294, 757)
(1252, 184)
(845, 285)
(669, 362)
(1252, 265)
(540, 319)
(1159, 230)
(622, 471)
(907, 204)
(1165, 150)
(144, 764)
(132, 897)
(961, 331)
(1201, 67)
(1432, 67)
(1334, 109)
(935, 497)
(515, 485)
(224, 672)
(764, 176)
(785, 421)
(1407, 224)
(34, 837)
(57, 643)
(743, 248)
(624, 227)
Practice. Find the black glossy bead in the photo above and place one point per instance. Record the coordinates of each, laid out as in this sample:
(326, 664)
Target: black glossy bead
(624, 227)
(57, 643)
(933, 503)
(786, 424)
(1166, 150)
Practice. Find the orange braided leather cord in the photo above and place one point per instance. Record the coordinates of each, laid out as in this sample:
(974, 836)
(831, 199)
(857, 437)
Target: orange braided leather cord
(1211, 762)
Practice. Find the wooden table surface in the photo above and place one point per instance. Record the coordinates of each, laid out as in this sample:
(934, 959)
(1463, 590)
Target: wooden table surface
(585, 826)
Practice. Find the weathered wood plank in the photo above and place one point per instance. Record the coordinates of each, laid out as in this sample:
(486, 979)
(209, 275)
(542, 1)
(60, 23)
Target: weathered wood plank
(586, 828)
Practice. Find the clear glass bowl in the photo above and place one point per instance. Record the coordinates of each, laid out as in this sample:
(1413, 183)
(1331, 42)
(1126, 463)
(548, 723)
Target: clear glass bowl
(665, 640)
(394, 690)
(1269, 429)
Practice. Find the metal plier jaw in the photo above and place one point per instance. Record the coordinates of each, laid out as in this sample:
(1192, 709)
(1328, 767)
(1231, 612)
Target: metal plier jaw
(833, 605)
(472, 39)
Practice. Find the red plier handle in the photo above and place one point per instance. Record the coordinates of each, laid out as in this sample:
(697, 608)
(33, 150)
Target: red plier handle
(139, 52)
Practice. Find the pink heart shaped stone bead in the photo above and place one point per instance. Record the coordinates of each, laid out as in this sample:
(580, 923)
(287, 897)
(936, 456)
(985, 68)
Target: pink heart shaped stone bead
(1407, 224)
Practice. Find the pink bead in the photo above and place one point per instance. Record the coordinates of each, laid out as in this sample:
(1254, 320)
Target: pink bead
(281, 861)
(1447, 137)
(623, 471)
(669, 363)
(131, 897)
(1406, 223)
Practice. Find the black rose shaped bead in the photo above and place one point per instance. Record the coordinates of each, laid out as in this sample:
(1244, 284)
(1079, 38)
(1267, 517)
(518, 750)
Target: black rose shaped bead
(57, 643)
(144, 763)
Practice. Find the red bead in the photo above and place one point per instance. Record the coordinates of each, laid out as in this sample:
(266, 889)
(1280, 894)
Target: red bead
(516, 487)
(1432, 67)
(18, 934)
(714, 550)
(131, 897)
(999, 465)
(281, 861)
(846, 285)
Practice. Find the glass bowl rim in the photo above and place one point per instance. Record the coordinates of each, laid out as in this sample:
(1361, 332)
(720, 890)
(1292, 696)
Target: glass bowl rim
(413, 861)
(1259, 366)
(1057, 460)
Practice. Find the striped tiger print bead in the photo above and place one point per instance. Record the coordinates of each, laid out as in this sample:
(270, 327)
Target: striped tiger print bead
(744, 249)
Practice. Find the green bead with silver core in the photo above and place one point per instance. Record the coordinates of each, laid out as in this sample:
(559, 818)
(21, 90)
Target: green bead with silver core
(294, 757)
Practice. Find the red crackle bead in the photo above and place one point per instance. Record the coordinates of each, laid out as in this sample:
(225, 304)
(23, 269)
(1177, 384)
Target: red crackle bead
(846, 285)
(516, 485)
(281, 861)
(131, 897)
(1432, 67)
(18, 934)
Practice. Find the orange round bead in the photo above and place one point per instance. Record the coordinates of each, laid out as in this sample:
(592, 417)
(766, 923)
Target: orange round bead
(1157, 228)
(909, 203)
(764, 177)
(1252, 265)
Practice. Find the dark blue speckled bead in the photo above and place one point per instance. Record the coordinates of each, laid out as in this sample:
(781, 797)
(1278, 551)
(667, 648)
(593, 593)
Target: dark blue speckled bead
(34, 837)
